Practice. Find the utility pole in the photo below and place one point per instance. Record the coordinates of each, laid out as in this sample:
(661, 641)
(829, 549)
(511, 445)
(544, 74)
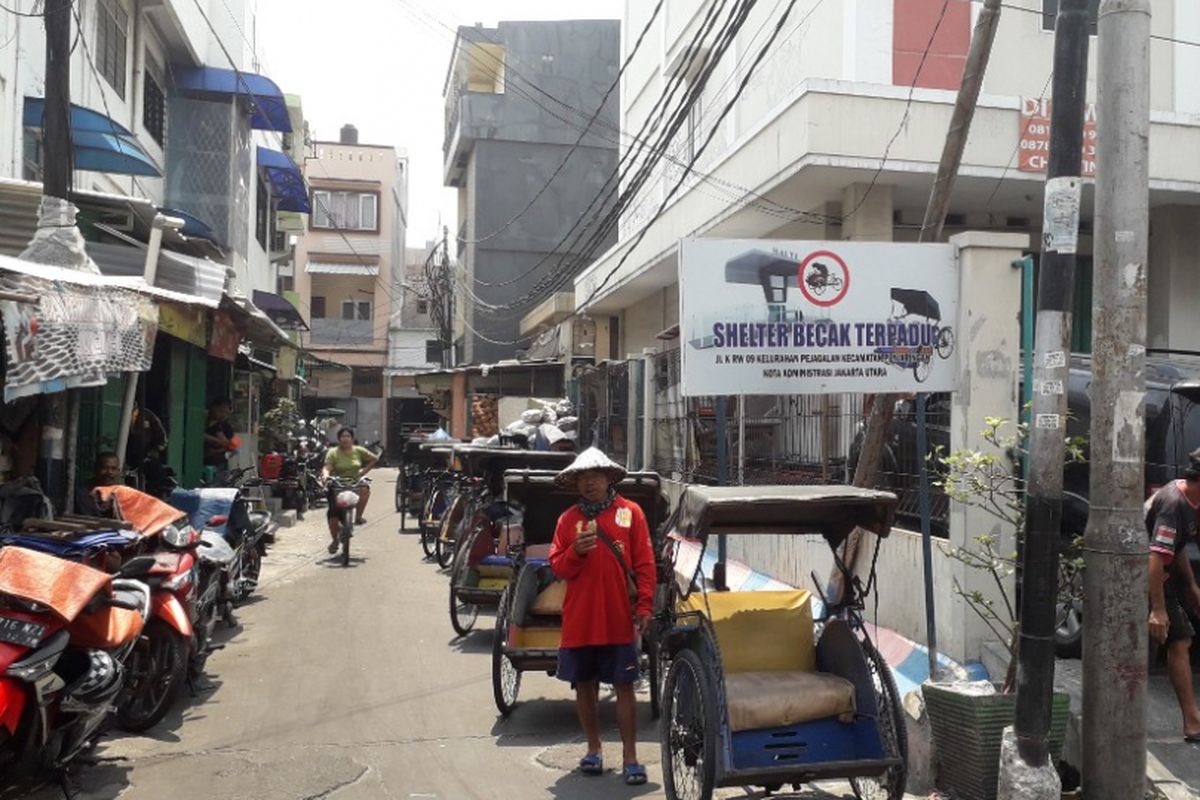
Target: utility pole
(1043, 498)
(879, 421)
(1115, 546)
(56, 126)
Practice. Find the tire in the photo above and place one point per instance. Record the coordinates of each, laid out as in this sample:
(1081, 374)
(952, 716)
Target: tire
(1068, 607)
(655, 672)
(945, 342)
(462, 615)
(251, 569)
(428, 540)
(892, 733)
(921, 369)
(155, 671)
(347, 533)
(688, 731)
(400, 493)
(443, 547)
(506, 678)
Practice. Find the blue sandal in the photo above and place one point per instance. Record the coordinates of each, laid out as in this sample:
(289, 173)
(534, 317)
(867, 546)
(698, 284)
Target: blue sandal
(634, 774)
(592, 764)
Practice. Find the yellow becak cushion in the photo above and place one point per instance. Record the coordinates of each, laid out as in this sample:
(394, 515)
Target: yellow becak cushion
(760, 631)
(549, 601)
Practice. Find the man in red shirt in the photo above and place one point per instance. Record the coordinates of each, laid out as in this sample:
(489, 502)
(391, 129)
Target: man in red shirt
(601, 548)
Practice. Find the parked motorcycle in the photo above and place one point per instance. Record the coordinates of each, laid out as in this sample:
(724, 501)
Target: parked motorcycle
(66, 633)
(175, 644)
(234, 537)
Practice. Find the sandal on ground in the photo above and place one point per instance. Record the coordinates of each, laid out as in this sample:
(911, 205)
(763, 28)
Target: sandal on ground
(1192, 738)
(634, 774)
(333, 547)
(592, 764)
(361, 521)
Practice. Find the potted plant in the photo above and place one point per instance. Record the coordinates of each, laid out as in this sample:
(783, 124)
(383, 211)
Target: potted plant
(968, 723)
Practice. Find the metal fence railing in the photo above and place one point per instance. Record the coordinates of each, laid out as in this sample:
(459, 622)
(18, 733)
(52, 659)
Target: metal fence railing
(786, 439)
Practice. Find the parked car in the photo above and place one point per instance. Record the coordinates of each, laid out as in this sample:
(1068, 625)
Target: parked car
(1172, 431)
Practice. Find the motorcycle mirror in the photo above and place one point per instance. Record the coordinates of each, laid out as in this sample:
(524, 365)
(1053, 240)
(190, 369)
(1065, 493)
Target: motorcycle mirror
(137, 566)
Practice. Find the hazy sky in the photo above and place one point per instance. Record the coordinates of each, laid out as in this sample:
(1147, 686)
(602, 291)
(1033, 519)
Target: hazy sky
(380, 65)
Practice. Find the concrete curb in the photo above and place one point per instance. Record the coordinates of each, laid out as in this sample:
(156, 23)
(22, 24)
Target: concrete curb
(1164, 783)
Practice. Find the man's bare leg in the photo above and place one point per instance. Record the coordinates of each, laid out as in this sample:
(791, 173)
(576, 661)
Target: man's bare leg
(1179, 669)
(587, 704)
(627, 721)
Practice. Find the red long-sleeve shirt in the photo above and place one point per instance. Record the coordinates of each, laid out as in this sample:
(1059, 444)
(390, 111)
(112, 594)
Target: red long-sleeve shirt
(596, 607)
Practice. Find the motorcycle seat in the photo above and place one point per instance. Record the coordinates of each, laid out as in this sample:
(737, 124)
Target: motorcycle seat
(107, 627)
(259, 519)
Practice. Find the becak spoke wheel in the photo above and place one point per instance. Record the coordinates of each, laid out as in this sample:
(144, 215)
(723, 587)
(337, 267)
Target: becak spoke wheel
(506, 678)
(892, 733)
(922, 369)
(945, 342)
(462, 614)
(688, 730)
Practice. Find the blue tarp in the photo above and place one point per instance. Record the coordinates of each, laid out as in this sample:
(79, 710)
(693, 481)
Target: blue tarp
(287, 182)
(201, 505)
(269, 110)
(98, 143)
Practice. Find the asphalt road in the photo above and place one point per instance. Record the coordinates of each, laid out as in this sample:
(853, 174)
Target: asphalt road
(349, 683)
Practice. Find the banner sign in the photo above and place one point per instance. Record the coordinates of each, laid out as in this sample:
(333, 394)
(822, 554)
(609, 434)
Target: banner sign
(771, 317)
(226, 336)
(74, 336)
(1035, 137)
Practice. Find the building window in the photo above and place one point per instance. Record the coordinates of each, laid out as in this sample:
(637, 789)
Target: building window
(422, 306)
(366, 383)
(112, 33)
(287, 283)
(154, 108)
(1050, 15)
(356, 310)
(349, 211)
(262, 214)
(317, 307)
(433, 351)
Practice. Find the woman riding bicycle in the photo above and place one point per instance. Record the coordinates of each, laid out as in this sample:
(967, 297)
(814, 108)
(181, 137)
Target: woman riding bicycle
(347, 462)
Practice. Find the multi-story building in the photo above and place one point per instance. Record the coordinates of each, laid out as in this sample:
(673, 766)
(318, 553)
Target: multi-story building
(839, 133)
(349, 274)
(414, 347)
(523, 172)
(169, 115)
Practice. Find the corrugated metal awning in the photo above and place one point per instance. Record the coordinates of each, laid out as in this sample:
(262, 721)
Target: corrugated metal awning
(328, 268)
(196, 278)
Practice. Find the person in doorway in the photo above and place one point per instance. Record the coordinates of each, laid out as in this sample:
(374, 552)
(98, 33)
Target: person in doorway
(219, 438)
(105, 472)
(349, 462)
(1171, 525)
(602, 550)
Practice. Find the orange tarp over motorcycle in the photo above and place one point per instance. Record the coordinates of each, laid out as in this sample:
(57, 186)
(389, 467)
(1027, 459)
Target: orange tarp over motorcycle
(63, 586)
(146, 513)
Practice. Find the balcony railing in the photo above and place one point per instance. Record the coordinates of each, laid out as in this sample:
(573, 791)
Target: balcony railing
(339, 332)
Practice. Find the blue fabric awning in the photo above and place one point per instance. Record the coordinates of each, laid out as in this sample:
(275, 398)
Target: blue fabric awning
(193, 226)
(287, 181)
(98, 143)
(269, 110)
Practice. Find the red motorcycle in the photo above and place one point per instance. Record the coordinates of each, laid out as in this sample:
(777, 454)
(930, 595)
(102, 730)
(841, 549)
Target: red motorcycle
(184, 605)
(66, 633)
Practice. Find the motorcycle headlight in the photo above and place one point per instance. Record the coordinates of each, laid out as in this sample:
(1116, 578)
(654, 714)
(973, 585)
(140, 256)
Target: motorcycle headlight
(177, 536)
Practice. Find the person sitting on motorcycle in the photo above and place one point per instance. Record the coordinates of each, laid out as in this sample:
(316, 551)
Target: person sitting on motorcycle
(105, 472)
(349, 462)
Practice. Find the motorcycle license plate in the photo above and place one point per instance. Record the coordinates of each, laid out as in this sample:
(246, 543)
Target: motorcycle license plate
(21, 632)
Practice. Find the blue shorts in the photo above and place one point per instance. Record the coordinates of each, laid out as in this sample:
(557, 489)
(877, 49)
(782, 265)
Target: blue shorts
(608, 663)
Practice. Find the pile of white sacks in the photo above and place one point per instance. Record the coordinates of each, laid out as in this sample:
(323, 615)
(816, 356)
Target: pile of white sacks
(546, 423)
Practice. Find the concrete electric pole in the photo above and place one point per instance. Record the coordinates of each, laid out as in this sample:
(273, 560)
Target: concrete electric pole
(1115, 545)
(1032, 775)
